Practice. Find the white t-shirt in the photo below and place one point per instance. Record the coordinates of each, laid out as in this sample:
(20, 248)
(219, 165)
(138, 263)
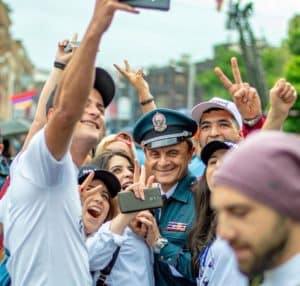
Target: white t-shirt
(218, 266)
(42, 220)
(134, 264)
(287, 274)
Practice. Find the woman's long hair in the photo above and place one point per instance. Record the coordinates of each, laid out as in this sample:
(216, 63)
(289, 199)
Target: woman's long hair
(204, 229)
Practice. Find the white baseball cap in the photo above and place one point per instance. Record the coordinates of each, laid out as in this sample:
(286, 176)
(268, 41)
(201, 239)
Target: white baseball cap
(217, 102)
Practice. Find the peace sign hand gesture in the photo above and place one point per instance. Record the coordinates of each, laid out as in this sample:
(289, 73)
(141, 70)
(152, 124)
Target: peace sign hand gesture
(140, 182)
(244, 96)
(84, 189)
(136, 79)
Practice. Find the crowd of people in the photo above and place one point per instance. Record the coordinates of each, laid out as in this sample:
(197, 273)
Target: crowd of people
(233, 220)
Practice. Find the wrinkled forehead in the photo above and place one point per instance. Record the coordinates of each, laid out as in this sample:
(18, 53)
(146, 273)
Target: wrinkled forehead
(215, 115)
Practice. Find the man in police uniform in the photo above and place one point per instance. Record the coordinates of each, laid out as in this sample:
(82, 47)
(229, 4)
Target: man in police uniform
(165, 135)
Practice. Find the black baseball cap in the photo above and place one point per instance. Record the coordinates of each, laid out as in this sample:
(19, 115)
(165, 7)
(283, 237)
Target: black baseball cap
(211, 147)
(108, 178)
(103, 83)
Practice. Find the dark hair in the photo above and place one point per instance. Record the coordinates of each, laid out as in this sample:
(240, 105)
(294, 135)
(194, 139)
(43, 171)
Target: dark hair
(204, 229)
(102, 160)
(218, 109)
(190, 144)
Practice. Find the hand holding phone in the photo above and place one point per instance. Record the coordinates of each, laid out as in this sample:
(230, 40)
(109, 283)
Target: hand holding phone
(129, 203)
(72, 44)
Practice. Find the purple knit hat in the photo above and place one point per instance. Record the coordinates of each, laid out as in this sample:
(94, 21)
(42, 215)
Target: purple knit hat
(265, 167)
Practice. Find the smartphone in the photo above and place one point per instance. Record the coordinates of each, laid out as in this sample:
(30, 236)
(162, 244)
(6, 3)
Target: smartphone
(69, 47)
(149, 4)
(129, 203)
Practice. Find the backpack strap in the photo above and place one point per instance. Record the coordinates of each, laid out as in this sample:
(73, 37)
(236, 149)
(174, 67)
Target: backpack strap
(107, 269)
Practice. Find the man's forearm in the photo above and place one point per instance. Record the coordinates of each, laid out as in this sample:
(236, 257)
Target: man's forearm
(274, 120)
(40, 117)
(78, 77)
(146, 100)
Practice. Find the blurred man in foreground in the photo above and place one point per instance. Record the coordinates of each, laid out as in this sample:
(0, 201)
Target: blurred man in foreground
(257, 199)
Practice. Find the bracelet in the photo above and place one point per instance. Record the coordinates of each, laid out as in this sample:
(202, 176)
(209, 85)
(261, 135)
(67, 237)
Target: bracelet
(59, 65)
(144, 102)
(252, 122)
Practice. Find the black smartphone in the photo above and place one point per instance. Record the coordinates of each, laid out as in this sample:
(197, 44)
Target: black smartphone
(129, 203)
(149, 4)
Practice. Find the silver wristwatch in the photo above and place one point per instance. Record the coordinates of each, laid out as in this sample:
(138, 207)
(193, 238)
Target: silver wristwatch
(160, 243)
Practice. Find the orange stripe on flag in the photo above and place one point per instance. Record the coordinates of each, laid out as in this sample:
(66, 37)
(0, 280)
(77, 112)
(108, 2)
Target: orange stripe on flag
(23, 105)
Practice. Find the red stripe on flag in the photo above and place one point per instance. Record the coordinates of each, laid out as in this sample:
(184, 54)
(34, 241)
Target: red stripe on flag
(15, 101)
(29, 93)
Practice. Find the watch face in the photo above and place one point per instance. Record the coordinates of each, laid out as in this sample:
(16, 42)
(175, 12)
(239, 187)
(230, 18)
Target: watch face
(160, 243)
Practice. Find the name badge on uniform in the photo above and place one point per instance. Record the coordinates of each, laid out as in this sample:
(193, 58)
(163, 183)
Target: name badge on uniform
(176, 226)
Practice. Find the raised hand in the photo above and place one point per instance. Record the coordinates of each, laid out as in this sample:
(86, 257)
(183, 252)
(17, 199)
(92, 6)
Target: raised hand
(140, 182)
(62, 56)
(282, 97)
(84, 189)
(244, 96)
(136, 79)
(104, 12)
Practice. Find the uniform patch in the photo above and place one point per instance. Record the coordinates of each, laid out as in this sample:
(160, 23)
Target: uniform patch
(176, 226)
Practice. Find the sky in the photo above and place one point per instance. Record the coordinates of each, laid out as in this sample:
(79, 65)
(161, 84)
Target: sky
(150, 38)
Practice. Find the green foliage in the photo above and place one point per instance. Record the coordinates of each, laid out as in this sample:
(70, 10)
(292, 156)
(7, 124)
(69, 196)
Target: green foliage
(283, 61)
(294, 35)
(274, 61)
(292, 72)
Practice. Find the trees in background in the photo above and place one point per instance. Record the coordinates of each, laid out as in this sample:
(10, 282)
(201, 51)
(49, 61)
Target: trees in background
(292, 73)
(283, 61)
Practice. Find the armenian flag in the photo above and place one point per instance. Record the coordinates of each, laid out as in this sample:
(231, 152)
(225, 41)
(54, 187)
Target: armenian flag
(23, 100)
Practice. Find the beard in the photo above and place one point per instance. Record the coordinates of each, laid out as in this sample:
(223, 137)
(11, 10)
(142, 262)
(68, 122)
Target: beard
(268, 252)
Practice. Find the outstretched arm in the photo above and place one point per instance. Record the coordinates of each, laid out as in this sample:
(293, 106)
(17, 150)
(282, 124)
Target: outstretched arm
(54, 78)
(78, 78)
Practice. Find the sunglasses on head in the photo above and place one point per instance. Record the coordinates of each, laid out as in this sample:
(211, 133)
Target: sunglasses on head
(125, 138)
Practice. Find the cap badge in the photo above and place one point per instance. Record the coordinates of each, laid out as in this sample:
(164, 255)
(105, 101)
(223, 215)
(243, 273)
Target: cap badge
(159, 122)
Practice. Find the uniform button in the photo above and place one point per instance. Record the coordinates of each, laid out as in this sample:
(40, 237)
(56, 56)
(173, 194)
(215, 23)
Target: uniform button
(169, 259)
(162, 258)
